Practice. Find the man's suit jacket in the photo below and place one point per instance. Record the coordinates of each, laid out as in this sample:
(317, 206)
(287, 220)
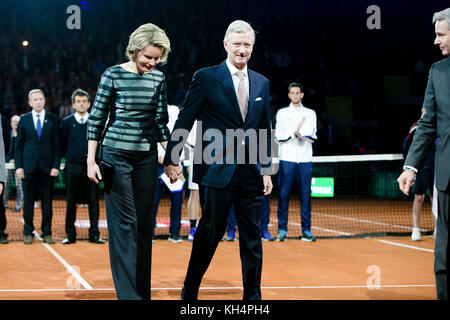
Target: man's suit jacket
(434, 124)
(33, 153)
(211, 99)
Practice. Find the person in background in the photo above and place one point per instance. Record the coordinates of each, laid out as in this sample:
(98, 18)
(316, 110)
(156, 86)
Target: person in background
(295, 130)
(37, 158)
(176, 197)
(424, 181)
(265, 217)
(194, 206)
(74, 148)
(10, 174)
(3, 235)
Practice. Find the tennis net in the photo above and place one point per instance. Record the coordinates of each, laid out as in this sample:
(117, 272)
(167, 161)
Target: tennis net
(352, 196)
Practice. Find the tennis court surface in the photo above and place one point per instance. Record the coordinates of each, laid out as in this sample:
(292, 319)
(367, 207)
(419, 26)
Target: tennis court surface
(378, 268)
(363, 250)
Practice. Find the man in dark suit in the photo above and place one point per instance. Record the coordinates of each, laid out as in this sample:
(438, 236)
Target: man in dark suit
(74, 147)
(435, 124)
(37, 162)
(225, 99)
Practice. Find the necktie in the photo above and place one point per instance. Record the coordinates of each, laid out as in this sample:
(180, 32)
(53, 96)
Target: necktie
(38, 126)
(82, 120)
(242, 94)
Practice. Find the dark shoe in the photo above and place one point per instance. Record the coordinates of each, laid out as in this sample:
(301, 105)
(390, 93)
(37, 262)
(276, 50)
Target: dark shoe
(4, 239)
(48, 239)
(28, 239)
(68, 241)
(231, 236)
(97, 240)
(282, 236)
(187, 297)
(266, 236)
(175, 238)
(308, 236)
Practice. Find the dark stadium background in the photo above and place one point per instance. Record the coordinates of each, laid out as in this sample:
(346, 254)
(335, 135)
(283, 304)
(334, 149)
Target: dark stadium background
(366, 86)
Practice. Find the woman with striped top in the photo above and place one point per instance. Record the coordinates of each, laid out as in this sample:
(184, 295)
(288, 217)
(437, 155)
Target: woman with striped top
(130, 114)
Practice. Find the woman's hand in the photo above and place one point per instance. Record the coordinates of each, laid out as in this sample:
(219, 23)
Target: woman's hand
(93, 172)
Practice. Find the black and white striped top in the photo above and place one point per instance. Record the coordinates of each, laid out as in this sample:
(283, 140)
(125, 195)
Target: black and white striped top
(136, 106)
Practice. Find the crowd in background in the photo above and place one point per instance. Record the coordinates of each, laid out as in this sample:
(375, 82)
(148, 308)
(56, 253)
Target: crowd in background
(313, 42)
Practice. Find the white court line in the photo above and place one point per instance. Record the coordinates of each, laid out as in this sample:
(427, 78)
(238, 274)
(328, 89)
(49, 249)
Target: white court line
(405, 246)
(69, 268)
(317, 228)
(364, 221)
(235, 288)
(323, 229)
(348, 219)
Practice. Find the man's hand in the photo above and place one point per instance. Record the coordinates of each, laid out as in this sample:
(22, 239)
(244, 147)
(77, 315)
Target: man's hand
(20, 173)
(54, 172)
(405, 181)
(267, 180)
(174, 172)
(1, 188)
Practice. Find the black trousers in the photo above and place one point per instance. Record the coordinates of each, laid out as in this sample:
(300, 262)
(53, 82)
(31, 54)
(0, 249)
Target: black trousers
(33, 182)
(441, 259)
(77, 180)
(129, 212)
(245, 192)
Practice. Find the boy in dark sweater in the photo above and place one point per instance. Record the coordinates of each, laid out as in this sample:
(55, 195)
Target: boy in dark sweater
(74, 147)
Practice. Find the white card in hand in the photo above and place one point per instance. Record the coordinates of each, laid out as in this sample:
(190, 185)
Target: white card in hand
(173, 187)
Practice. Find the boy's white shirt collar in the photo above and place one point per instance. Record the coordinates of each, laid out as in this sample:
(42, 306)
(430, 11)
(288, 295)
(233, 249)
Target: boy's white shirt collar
(78, 117)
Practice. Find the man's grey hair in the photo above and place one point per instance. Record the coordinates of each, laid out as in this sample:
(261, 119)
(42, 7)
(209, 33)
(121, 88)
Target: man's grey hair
(35, 91)
(442, 15)
(239, 26)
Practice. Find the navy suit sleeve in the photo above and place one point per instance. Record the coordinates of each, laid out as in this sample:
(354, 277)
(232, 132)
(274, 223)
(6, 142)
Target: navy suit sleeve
(189, 112)
(55, 144)
(63, 134)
